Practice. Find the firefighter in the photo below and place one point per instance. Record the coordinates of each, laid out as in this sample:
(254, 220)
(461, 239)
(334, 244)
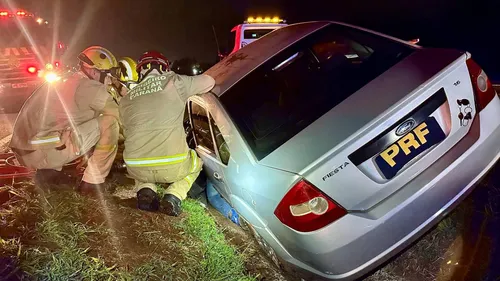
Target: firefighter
(128, 67)
(155, 142)
(128, 73)
(65, 120)
(128, 78)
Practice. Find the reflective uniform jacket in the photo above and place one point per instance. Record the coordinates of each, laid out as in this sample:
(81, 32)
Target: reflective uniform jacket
(53, 112)
(152, 117)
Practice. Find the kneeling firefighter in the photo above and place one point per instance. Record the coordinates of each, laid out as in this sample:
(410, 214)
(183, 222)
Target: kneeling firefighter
(67, 119)
(155, 142)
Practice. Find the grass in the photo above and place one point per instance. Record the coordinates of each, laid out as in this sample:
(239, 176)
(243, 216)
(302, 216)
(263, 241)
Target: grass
(63, 236)
(221, 261)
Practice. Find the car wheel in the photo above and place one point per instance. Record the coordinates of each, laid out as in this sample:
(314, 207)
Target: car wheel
(270, 253)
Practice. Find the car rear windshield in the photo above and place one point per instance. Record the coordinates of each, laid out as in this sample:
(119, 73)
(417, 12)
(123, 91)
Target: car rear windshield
(12, 34)
(256, 33)
(303, 82)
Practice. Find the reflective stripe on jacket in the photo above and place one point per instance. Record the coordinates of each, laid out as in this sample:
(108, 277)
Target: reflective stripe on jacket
(163, 160)
(45, 140)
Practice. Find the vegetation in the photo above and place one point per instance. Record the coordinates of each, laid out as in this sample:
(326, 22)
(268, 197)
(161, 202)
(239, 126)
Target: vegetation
(60, 235)
(221, 260)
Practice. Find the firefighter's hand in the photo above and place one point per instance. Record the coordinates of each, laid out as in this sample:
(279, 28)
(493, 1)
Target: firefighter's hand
(113, 91)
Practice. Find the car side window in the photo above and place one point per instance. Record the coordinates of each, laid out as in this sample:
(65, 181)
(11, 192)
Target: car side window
(221, 144)
(188, 129)
(201, 127)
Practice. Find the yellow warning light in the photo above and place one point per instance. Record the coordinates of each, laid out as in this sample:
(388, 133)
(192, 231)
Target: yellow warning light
(39, 20)
(264, 20)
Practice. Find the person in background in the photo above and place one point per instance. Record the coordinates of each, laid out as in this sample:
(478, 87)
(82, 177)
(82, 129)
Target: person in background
(127, 80)
(155, 142)
(69, 118)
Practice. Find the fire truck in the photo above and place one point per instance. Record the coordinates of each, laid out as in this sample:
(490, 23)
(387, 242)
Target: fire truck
(28, 57)
(254, 28)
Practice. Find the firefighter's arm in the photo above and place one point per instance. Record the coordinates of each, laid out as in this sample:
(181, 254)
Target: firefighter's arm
(96, 96)
(195, 85)
(110, 108)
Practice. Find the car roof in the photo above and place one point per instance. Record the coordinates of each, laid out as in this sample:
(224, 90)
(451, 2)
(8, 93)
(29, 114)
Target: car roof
(236, 66)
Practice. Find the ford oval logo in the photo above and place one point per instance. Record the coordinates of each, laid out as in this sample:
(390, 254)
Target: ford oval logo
(405, 127)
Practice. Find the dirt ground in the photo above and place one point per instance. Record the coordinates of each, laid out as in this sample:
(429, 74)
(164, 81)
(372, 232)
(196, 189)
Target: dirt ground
(256, 260)
(112, 231)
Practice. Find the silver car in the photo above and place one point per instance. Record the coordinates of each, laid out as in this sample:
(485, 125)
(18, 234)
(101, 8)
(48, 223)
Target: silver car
(340, 146)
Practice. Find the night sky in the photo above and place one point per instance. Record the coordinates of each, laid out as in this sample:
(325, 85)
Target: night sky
(184, 28)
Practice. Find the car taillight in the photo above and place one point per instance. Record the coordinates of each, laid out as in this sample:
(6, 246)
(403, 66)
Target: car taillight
(305, 208)
(483, 90)
(32, 69)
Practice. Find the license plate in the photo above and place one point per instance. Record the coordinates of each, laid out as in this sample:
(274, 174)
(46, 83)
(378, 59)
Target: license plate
(424, 136)
(20, 85)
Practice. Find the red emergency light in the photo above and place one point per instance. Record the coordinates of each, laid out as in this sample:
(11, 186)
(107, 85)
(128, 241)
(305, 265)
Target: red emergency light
(57, 64)
(4, 14)
(21, 13)
(32, 69)
(60, 45)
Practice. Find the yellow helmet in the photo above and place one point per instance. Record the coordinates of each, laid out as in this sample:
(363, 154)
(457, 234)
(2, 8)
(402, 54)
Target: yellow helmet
(128, 71)
(99, 58)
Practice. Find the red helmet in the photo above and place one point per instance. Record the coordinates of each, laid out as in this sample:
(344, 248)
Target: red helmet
(153, 57)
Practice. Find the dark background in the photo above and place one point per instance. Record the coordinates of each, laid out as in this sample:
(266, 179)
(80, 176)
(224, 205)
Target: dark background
(184, 28)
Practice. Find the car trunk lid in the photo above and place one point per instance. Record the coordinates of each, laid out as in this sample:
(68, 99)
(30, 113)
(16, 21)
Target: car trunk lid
(339, 152)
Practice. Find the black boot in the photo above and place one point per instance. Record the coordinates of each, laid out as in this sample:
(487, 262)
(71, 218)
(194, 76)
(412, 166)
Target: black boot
(89, 189)
(171, 205)
(147, 200)
(46, 177)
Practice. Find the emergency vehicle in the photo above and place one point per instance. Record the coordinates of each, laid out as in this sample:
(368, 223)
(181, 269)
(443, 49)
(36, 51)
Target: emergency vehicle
(28, 57)
(254, 28)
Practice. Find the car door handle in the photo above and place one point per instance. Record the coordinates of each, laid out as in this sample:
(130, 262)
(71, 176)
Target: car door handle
(217, 176)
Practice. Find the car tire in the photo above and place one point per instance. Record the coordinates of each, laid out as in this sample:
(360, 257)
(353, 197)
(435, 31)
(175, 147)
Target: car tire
(270, 253)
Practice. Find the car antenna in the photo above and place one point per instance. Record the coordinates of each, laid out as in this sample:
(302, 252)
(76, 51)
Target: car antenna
(219, 54)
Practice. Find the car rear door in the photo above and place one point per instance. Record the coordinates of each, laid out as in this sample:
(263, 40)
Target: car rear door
(210, 145)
